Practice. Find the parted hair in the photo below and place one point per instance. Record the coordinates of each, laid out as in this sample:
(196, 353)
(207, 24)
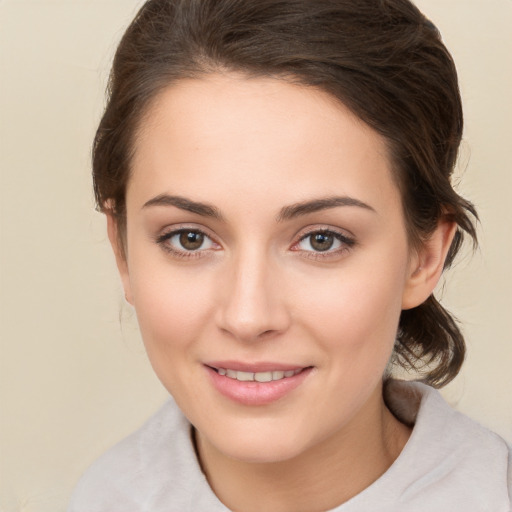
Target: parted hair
(381, 58)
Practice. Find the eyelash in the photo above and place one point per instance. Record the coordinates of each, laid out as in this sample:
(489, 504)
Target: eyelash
(346, 243)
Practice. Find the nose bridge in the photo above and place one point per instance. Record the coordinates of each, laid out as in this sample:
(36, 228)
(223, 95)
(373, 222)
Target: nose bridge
(253, 305)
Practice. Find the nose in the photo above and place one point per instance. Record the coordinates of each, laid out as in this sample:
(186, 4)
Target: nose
(252, 304)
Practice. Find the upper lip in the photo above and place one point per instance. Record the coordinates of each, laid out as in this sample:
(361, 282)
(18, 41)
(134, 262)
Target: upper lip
(264, 366)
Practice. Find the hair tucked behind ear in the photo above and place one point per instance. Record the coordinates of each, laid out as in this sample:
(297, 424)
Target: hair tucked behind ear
(381, 58)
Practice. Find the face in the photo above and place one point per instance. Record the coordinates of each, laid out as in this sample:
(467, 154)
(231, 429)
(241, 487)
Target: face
(267, 261)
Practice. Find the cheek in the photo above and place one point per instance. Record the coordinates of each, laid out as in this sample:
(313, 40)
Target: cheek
(353, 319)
(171, 305)
(355, 310)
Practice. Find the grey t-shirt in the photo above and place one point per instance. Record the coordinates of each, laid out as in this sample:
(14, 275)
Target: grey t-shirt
(449, 464)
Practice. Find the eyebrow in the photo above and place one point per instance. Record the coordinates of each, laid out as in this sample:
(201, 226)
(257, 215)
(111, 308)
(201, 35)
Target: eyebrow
(316, 205)
(183, 203)
(288, 212)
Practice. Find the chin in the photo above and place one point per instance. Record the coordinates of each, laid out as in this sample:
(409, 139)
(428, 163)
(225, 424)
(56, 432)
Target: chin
(258, 454)
(261, 445)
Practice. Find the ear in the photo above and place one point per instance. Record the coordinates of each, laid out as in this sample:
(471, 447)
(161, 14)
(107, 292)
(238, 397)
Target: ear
(120, 255)
(427, 263)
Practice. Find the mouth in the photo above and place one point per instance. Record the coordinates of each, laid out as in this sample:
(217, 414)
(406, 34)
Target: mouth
(266, 376)
(256, 384)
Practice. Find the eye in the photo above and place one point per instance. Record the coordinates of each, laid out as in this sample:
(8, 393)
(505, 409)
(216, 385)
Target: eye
(324, 241)
(186, 242)
(190, 240)
(319, 242)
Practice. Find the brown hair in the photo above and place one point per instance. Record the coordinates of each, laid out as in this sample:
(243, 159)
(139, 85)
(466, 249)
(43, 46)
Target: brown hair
(382, 58)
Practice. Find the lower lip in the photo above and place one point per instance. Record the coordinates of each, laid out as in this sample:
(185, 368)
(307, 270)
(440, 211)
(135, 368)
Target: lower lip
(256, 393)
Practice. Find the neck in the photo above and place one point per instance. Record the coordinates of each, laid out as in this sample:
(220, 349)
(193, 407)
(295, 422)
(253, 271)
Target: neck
(319, 479)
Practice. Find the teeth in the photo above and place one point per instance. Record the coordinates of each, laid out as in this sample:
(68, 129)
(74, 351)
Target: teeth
(259, 376)
(244, 376)
(263, 377)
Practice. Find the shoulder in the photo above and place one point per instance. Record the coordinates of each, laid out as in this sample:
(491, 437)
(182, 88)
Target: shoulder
(157, 459)
(449, 457)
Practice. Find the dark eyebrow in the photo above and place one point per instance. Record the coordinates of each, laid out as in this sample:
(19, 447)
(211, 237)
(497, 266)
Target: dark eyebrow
(188, 205)
(315, 205)
(286, 213)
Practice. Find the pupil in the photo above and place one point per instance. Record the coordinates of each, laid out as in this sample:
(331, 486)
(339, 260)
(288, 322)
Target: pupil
(322, 242)
(191, 241)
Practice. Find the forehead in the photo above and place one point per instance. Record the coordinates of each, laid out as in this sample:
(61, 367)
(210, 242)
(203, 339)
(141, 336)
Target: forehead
(256, 135)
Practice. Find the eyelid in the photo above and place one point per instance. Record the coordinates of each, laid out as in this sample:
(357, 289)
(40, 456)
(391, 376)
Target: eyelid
(184, 226)
(323, 228)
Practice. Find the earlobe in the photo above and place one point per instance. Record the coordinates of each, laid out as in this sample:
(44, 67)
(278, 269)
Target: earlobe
(120, 255)
(427, 264)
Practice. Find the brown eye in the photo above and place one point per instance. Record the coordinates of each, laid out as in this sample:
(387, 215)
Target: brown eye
(187, 243)
(322, 241)
(191, 240)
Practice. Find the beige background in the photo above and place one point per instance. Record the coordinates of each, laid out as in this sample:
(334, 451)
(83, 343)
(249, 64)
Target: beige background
(73, 375)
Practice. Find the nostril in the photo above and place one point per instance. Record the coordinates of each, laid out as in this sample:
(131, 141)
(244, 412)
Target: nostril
(267, 333)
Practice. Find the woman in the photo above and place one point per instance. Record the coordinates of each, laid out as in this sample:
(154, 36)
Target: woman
(276, 181)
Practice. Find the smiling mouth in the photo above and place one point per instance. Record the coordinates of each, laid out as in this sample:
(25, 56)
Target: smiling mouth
(256, 384)
(267, 376)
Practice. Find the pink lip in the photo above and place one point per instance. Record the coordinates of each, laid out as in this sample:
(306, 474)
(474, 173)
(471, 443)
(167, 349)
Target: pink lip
(255, 393)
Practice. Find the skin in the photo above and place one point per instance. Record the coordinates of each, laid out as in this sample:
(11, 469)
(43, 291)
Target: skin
(257, 290)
